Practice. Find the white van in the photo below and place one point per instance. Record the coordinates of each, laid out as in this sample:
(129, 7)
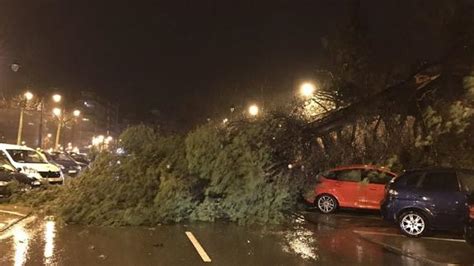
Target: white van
(32, 163)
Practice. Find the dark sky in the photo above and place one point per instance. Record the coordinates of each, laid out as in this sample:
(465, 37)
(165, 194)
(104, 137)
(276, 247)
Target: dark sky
(189, 59)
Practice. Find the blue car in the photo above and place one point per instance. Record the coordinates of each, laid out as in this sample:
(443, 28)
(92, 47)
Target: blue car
(428, 199)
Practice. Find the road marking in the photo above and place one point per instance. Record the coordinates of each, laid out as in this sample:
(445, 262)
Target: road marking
(392, 234)
(14, 213)
(198, 247)
(10, 230)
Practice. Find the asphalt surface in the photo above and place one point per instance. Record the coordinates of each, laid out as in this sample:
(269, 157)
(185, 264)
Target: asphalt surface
(317, 239)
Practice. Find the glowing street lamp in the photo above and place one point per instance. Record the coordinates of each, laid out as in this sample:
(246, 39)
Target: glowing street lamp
(76, 113)
(57, 112)
(28, 95)
(253, 110)
(307, 90)
(57, 98)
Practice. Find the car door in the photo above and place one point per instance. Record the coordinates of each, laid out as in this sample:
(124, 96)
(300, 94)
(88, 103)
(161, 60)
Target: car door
(375, 189)
(439, 192)
(348, 187)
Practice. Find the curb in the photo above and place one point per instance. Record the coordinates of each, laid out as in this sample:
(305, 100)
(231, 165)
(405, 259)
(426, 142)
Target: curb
(399, 251)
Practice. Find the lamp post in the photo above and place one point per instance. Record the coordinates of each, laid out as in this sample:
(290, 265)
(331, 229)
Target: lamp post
(57, 112)
(56, 99)
(26, 97)
(61, 115)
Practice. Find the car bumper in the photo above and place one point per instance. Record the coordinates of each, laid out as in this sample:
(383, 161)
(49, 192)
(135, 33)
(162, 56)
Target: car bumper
(54, 181)
(387, 210)
(469, 232)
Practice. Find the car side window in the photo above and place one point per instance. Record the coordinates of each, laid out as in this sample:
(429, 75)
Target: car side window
(409, 180)
(329, 175)
(353, 175)
(378, 177)
(467, 181)
(440, 181)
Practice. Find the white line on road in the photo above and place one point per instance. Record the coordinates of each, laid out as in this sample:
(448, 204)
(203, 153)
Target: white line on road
(10, 212)
(198, 247)
(392, 234)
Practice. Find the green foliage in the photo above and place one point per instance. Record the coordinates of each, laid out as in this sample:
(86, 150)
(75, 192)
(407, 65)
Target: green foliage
(246, 171)
(236, 172)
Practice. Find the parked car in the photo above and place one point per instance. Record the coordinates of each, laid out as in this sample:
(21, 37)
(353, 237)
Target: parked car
(428, 199)
(469, 229)
(356, 186)
(80, 157)
(9, 174)
(68, 165)
(31, 163)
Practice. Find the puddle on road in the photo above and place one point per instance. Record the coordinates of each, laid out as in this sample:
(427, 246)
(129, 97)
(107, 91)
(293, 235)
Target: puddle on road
(46, 242)
(301, 241)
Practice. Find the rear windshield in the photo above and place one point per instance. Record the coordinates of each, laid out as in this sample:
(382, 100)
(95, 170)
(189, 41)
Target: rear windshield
(467, 181)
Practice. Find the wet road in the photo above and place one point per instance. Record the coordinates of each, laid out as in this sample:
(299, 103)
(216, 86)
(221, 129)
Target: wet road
(330, 240)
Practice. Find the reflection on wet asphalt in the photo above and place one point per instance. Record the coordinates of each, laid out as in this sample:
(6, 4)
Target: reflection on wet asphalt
(45, 242)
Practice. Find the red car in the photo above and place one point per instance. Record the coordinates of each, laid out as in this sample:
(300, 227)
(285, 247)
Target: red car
(356, 186)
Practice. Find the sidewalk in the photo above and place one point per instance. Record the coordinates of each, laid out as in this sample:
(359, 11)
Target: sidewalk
(12, 214)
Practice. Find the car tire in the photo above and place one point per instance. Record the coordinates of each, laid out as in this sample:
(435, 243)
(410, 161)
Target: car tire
(413, 224)
(326, 203)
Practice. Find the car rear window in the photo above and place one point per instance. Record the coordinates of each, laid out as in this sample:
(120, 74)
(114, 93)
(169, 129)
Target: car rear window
(467, 181)
(377, 177)
(440, 181)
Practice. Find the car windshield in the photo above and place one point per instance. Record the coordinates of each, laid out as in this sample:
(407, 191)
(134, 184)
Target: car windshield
(5, 165)
(467, 181)
(26, 156)
(61, 157)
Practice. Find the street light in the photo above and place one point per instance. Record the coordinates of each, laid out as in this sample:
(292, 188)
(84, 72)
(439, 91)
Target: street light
(76, 113)
(253, 110)
(57, 112)
(307, 90)
(27, 97)
(57, 98)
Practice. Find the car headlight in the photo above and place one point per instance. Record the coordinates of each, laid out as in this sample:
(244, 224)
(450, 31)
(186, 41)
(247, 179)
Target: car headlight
(36, 183)
(29, 170)
(392, 192)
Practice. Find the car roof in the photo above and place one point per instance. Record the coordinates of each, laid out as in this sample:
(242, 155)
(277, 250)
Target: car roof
(362, 166)
(431, 169)
(15, 147)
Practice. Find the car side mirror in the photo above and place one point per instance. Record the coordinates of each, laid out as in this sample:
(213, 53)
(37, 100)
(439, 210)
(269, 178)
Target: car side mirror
(19, 169)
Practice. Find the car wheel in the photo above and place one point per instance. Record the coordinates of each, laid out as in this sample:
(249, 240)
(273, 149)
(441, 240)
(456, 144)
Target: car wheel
(326, 203)
(413, 224)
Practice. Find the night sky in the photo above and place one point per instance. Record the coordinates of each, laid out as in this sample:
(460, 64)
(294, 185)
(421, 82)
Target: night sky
(189, 59)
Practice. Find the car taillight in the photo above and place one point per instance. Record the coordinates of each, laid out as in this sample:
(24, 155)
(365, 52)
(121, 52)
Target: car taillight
(471, 211)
